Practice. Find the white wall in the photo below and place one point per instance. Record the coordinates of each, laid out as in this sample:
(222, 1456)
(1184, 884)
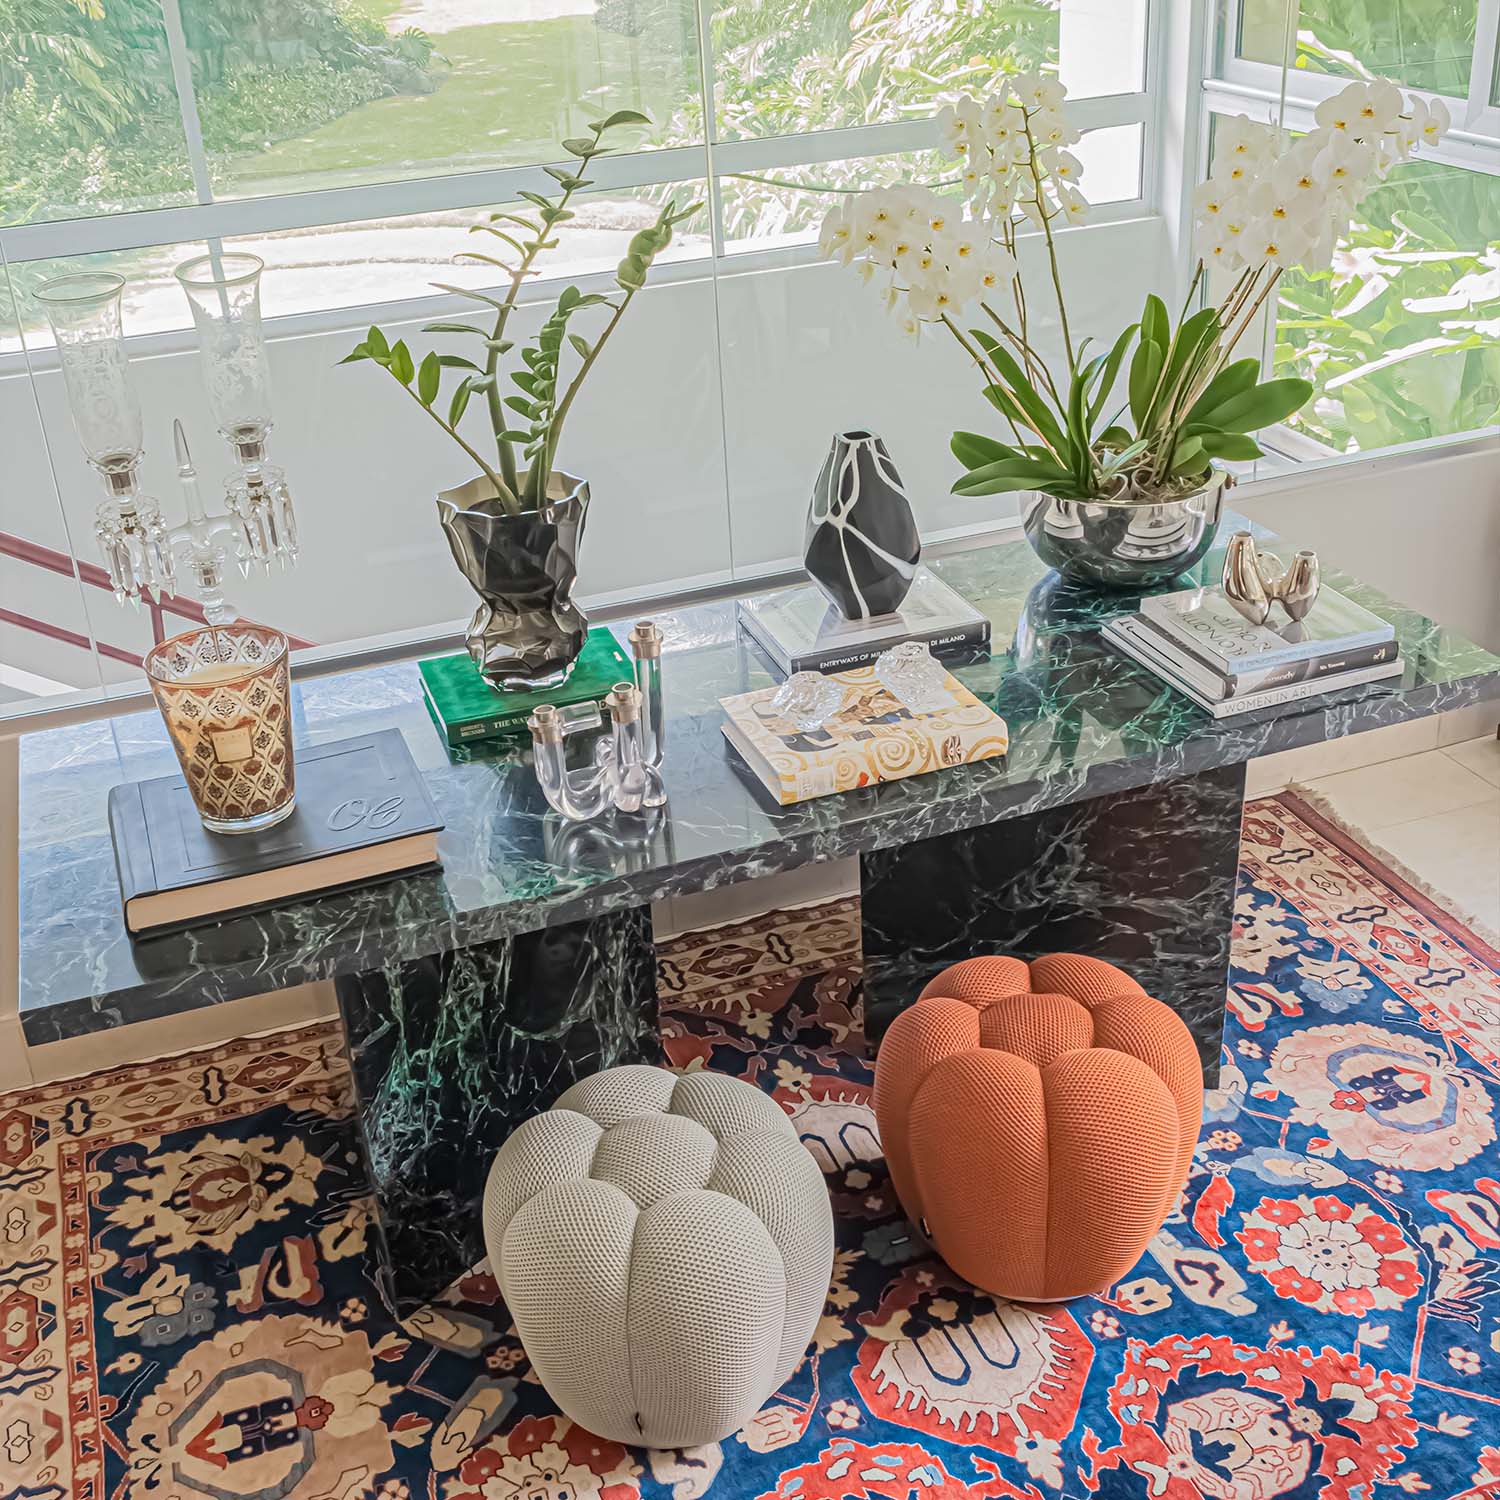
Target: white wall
(1424, 529)
(701, 431)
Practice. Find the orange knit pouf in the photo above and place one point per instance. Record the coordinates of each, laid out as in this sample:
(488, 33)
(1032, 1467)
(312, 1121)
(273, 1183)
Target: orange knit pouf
(1038, 1120)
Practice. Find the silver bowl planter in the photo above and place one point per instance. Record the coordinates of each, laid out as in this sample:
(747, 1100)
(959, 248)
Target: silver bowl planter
(1127, 545)
(527, 631)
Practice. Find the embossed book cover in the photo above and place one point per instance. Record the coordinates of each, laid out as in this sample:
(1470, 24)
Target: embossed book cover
(873, 736)
(363, 813)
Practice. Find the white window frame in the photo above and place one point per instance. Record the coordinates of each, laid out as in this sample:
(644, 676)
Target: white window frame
(1265, 92)
(210, 219)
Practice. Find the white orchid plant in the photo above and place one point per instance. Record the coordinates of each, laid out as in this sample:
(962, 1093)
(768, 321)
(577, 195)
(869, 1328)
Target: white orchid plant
(1272, 202)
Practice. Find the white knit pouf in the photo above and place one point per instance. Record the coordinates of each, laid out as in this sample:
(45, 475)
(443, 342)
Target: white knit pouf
(664, 1244)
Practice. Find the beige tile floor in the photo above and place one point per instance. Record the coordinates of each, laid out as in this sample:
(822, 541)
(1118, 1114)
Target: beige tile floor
(1437, 813)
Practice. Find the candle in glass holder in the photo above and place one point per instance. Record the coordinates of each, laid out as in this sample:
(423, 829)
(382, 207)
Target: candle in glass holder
(225, 693)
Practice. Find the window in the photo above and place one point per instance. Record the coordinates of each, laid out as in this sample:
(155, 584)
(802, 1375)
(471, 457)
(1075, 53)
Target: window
(1402, 337)
(351, 143)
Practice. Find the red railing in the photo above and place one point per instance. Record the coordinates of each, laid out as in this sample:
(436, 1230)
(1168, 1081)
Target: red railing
(92, 574)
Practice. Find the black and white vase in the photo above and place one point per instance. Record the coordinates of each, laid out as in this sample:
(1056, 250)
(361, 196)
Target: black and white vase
(862, 545)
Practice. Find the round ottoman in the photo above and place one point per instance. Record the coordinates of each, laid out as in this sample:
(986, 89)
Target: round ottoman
(1038, 1120)
(664, 1244)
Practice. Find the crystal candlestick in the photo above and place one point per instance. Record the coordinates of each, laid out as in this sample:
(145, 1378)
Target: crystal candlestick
(223, 291)
(84, 311)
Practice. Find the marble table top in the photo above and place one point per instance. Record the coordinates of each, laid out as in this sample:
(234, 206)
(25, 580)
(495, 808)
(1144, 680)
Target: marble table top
(1083, 721)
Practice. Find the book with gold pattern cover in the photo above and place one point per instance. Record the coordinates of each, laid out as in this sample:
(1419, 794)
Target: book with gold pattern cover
(872, 737)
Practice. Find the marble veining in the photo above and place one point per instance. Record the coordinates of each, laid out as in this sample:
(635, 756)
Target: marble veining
(1083, 722)
(1143, 878)
(451, 1052)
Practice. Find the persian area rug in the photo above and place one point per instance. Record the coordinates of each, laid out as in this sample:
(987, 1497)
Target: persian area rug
(187, 1313)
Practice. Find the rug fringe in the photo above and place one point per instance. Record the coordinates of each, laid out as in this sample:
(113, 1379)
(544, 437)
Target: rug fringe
(1441, 899)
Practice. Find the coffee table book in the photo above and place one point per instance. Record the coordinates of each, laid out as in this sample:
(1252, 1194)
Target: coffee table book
(465, 708)
(872, 737)
(363, 814)
(1206, 624)
(1134, 635)
(802, 632)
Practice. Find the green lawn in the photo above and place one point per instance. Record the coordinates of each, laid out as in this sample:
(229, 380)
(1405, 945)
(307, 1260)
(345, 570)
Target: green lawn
(510, 93)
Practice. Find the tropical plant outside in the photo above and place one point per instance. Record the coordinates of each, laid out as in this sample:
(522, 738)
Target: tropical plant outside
(1401, 336)
(88, 110)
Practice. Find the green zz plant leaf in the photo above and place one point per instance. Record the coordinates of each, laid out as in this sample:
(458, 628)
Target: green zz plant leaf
(523, 454)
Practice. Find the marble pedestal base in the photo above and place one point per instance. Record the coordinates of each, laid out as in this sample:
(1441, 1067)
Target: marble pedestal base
(450, 1053)
(1144, 878)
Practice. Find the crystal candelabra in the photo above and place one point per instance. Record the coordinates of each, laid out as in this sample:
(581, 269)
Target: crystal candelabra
(223, 291)
(84, 311)
(141, 552)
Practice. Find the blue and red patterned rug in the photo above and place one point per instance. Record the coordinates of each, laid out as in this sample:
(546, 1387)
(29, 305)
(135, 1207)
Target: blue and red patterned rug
(186, 1310)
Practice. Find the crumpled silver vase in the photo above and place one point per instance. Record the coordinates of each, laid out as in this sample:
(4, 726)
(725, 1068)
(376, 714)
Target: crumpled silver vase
(527, 631)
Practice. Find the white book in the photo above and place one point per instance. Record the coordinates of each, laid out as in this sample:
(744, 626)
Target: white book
(802, 632)
(1129, 637)
(1207, 624)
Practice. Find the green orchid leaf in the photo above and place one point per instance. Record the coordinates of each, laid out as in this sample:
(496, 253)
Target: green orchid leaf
(1115, 437)
(1010, 474)
(1112, 363)
(1194, 337)
(1235, 446)
(1036, 413)
(1232, 380)
(1145, 370)
(973, 450)
(1156, 324)
(1261, 406)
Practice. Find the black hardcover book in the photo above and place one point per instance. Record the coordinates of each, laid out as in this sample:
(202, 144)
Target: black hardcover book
(363, 814)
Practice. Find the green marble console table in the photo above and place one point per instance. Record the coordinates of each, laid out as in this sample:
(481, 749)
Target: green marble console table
(472, 997)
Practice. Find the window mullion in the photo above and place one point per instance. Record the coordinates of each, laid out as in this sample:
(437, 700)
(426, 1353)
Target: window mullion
(1482, 65)
(707, 76)
(187, 100)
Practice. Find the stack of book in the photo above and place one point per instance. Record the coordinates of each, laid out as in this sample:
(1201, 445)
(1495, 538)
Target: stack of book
(1200, 644)
(464, 707)
(802, 632)
(872, 736)
(363, 814)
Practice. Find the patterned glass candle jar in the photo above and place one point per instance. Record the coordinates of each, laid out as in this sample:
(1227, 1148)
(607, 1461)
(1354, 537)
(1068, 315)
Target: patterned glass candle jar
(225, 692)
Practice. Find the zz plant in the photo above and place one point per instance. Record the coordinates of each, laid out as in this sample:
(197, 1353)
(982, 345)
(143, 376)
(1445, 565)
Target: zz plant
(526, 420)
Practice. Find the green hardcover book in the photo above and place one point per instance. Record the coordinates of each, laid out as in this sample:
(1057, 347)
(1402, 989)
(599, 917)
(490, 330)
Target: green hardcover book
(466, 708)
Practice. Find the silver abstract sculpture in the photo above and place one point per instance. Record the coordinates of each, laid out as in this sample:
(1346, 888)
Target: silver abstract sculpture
(1255, 582)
